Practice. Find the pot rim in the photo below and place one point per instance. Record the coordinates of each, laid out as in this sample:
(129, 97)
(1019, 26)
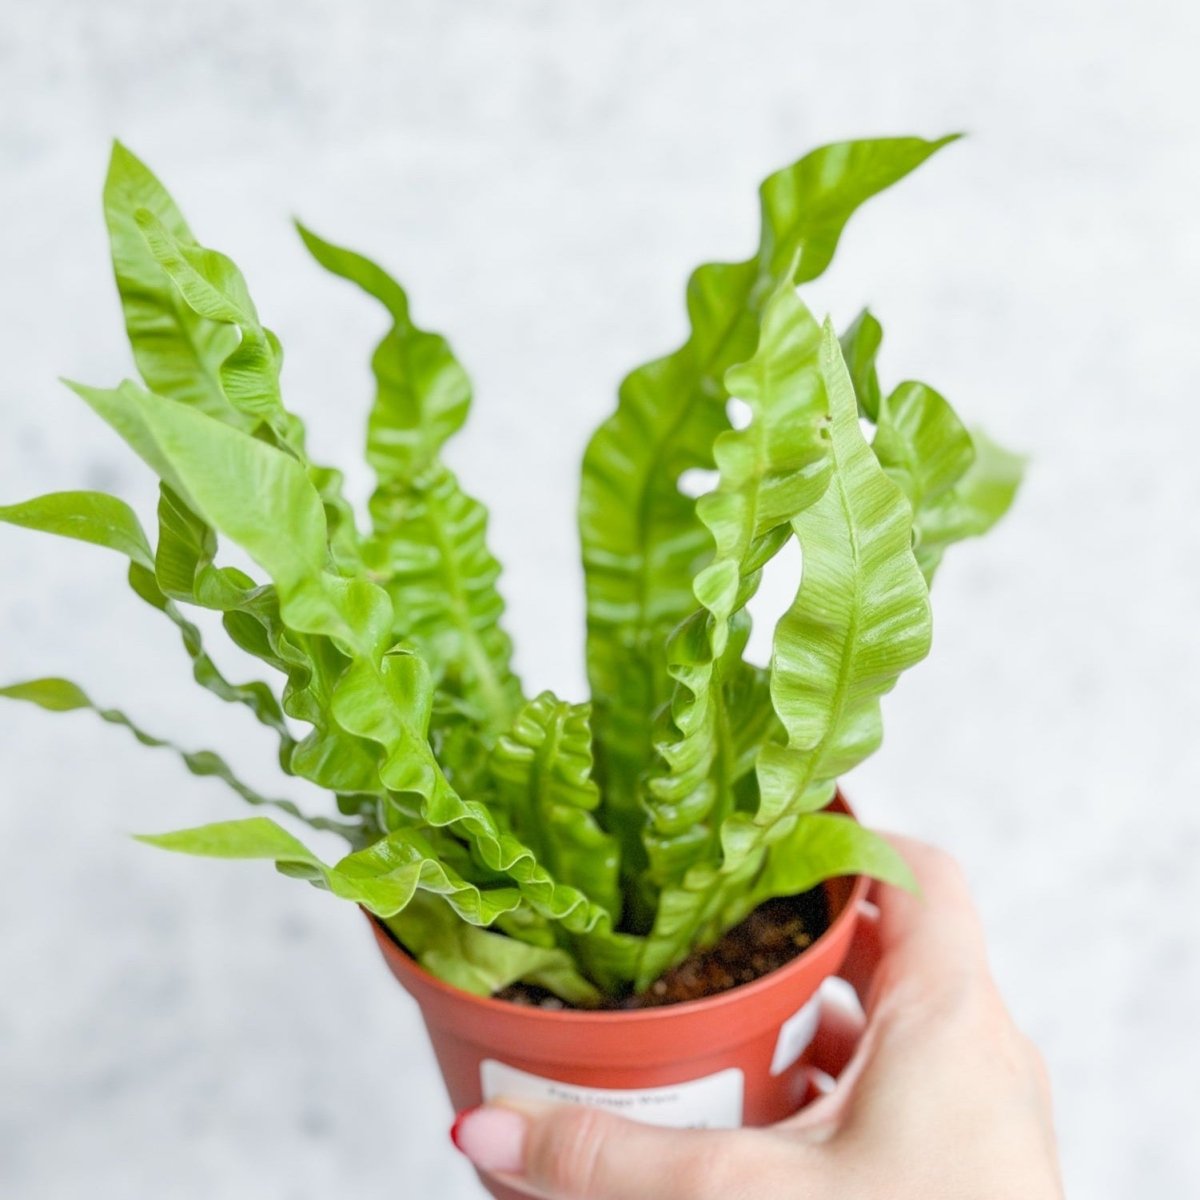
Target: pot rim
(743, 992)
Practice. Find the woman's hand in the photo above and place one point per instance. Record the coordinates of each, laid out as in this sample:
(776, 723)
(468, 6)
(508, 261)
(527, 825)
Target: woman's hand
(938, 1093)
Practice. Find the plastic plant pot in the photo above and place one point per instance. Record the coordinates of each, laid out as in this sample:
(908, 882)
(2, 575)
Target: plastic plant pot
(735, 1058)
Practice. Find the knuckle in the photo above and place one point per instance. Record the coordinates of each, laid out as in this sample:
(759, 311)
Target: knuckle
(959, 1003)
(706, 1171)
(941, 866)
(722, 1164)
(565, 1149)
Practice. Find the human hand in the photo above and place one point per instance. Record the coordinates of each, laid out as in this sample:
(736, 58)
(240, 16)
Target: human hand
(938, 1093)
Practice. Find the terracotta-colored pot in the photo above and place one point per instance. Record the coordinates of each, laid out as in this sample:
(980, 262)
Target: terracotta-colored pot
(732, 1059)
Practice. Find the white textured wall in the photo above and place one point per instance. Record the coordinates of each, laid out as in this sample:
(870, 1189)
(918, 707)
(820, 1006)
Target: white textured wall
(543, 175)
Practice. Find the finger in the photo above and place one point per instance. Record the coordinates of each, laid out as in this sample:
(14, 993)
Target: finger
(931, 940)
(567, 1152)
(931, 958)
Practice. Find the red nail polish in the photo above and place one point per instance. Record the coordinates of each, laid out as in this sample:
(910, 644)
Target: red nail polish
(458, 1120)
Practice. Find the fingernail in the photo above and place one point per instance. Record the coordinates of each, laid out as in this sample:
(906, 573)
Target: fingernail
(492, 1138)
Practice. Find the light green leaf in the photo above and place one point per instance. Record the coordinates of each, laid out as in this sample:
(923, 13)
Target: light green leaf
(106, 521)
(430, 554)
(61, 695)
(824, 846)
(543, 770)
(860, 347)
(183, 561)
(382, 694)
(121, 408)
(860, 618)
(249, 837)
(92, 517)
(769, 472)
(262, 497)
(959, 484)
(429, 549)
(213, 288)
(383, 878)
(643, 540)
(922, 445)
(480, 961)
(195, 333)
(982, 496)
(422, 395)
(177, 351)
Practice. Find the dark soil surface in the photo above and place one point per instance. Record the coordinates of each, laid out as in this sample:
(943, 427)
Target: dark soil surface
(772, 935)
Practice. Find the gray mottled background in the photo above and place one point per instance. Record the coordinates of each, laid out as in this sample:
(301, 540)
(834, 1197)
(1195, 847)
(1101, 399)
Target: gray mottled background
(543, 175)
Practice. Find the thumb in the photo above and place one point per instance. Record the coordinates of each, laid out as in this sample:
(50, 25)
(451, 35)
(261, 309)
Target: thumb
(567, 1152)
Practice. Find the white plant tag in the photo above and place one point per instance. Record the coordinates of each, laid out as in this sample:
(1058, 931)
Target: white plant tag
(795, 1035)
(713, 1102)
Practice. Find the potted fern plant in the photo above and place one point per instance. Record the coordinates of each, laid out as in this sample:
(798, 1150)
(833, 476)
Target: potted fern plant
(629, 901)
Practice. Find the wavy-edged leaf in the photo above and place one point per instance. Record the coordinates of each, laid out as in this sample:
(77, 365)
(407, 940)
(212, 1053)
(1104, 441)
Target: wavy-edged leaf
(826, 845)
(642, 539)
(769, 472)
(483, 962)
(384, 694)
(959, 484)
(982, 495)
(266, 501)
(407, 859)
(922, 445)
(429, 547)
(195, 333)
(860, 618)
(106, 521)
(422, 394)
(94, 517)
(543, 770)
(429, 552)
(178, 352)
(860, 347)
(184, 570)
(383, 878)
(61, 695)
(120, 408)
(212, 287)
(755, 723)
